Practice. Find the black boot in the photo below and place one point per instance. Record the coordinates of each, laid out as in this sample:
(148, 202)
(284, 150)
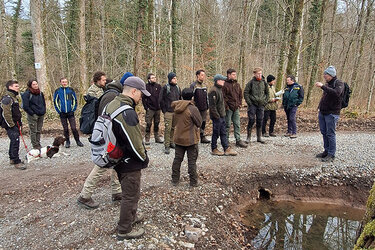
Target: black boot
(259, 136)
(67, 143)
(204, 139)
(248, 138)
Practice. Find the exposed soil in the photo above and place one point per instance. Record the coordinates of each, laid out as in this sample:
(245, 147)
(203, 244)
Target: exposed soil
(38, 206)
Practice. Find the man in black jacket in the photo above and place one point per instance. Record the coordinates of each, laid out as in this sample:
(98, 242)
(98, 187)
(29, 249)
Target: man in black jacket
(11, 121)
(329, 112)
(152, 106)
(201, 100)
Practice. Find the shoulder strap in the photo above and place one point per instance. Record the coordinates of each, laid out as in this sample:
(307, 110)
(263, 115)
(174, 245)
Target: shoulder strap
(120, 110)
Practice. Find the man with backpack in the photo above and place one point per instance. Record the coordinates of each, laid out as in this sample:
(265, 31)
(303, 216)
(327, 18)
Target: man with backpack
(114, 88)
(169, 93)
(329, 112)
(10, 119)
(127, 131)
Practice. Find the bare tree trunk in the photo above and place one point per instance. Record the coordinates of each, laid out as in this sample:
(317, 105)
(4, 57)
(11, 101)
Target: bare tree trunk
(315, 58)
(15, 20)
(370, 93)
(174, 34)
(294, 37)
(102, 31)
(372, 76)
(82, 46)
(38, 44)
(192, 38)
(332, 29)
(300, 42)
(241, 61)
(170, 37)
(359, 50)
(9, 49)
(140, 31)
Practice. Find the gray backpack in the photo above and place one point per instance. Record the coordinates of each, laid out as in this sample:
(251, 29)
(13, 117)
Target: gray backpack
(104, 150)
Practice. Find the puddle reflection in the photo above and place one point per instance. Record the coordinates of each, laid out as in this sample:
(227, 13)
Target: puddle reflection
(299, 225)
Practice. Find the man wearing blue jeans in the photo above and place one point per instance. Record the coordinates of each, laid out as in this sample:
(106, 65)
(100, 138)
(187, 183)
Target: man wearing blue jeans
(329, 112)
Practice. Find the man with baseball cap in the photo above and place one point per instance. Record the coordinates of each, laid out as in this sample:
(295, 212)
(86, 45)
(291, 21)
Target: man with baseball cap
(329, 112)
(127, 130)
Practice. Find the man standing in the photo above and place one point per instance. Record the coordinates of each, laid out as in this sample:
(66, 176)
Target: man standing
(11, 121)
(127, 130)
(169, 93)
(217, 115)
(152, 106)
(329, 112)
(201, 100)
(85, 199)
(256, 96)
(292, 98)
(232, 93)
(270, 108)
(97, 88)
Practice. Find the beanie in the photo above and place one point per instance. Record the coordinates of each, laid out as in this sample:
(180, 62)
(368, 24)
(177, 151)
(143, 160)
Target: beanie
(330, 71)
(270, 78)
(124, 77)
(171, 75)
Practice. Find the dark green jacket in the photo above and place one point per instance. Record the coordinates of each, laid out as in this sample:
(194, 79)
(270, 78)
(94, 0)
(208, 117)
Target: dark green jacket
(11, 109)
(127, 130)
(293, 96)
(256, 93)
(216, 102)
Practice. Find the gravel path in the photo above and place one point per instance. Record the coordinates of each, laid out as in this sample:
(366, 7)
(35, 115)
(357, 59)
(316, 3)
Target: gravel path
(38, 206)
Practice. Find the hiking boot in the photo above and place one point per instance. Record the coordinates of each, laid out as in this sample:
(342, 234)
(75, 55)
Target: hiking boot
(217, 152)
(147, 139)
(133, 234)
(158, 139)
(138, 218)
(174, 183)
(248, 137)
(259, 136)
(272, 134)
(87, 203)
(293, 136)
(204, 139)
(79, 143)
(265, 135)
(172, 145)
(116, 197)
(230, 152)
(287, 135)
(193, 184)
(322, 155)
(67, 144)
(241, 144)
(167, 151)
(328, 158)
(20, 166)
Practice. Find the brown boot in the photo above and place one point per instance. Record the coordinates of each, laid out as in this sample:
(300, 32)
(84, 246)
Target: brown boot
(147, 138)
(217, 152)
(158, 139)
(20, 166)
(241, 144)
(230, 152)
(87, 203)
(204, 139)
(116, 197)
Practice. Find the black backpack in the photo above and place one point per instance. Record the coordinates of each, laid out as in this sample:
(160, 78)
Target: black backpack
(88, 115)
(346, 96)
(3, 124)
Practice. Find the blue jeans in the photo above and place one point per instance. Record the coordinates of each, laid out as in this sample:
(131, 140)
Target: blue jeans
(327, 125)
(219, 130)
(292, 122)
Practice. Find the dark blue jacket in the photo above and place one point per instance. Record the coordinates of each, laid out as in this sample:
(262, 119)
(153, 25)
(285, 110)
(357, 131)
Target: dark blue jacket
(293, 96)
(34, 104)
(65, 100)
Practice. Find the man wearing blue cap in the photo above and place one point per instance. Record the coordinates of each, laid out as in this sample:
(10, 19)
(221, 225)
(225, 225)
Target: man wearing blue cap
(329, 112)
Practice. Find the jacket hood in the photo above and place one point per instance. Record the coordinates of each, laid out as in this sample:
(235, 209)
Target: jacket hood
(180, 106)
(116, 85)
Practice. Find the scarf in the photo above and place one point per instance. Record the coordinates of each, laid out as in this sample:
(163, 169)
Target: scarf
(34, 91)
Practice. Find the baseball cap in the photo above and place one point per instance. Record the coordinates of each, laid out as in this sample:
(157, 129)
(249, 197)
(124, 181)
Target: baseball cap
(138, 83)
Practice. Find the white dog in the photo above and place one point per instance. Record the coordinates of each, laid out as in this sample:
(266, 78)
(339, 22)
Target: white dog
(48, 151)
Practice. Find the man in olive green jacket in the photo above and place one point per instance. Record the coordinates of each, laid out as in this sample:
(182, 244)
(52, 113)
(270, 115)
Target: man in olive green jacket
(270, 108)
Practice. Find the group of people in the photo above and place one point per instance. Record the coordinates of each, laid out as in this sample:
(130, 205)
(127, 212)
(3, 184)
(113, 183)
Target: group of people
(185, 114)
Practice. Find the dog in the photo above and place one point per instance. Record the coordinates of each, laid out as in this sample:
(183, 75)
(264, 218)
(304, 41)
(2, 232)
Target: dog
(46, 152)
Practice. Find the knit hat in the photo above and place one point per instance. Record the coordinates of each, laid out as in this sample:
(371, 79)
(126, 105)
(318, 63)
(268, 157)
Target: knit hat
(124, 77)
(219, 77)
(171, 75)
(138, 83)
(187, 94)
(330, 71)
(270, 78)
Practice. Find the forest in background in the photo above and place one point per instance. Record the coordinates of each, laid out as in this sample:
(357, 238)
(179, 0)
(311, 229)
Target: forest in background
(75, 38)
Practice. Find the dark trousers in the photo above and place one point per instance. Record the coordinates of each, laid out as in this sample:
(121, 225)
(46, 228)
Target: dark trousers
(204, 118)
(152, 115)
(219, 130)
(272, 115)
(65, 118)
(292, 122)
(327, 125)
(192, 155)
(252, 112)
(14, 147)
(131, 191)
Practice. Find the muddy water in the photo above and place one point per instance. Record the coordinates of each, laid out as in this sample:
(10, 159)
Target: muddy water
(298, 225)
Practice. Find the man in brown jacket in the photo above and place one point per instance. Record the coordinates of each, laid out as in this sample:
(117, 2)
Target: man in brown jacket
(187, 121)
(232, 93)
